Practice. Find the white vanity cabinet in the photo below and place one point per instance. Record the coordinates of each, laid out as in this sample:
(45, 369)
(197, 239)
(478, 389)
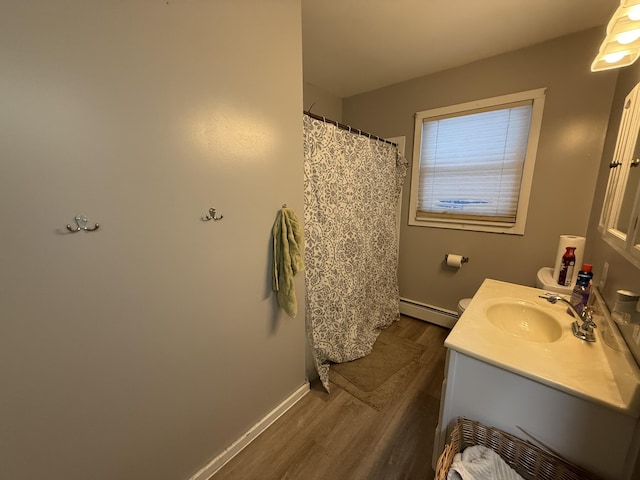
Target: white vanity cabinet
(578, 399)
(595, 437)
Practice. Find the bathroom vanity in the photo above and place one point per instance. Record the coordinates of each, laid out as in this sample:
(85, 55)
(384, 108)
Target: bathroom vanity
(513, 363)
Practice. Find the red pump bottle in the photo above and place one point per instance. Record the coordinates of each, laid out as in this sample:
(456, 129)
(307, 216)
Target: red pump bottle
(568, 264)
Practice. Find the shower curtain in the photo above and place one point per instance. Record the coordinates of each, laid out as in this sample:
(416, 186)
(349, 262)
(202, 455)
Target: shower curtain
(351, 189)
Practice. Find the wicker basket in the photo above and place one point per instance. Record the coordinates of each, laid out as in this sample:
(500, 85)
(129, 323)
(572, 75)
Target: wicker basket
(531, 462)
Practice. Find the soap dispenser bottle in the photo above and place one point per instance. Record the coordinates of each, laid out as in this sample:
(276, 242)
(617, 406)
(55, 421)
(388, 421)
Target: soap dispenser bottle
(580, 294)
(566, 270)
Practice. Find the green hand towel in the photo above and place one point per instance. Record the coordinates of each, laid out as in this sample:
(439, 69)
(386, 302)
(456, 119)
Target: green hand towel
(288, 244)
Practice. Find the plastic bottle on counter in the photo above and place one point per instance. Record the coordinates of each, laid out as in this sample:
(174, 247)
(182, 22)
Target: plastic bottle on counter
(582, 290)
(566, 270)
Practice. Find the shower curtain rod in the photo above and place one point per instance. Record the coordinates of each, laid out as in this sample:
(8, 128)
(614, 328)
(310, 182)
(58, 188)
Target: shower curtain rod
(347, 127)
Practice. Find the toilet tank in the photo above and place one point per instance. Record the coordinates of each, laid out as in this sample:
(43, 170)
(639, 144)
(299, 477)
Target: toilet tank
(545, 281)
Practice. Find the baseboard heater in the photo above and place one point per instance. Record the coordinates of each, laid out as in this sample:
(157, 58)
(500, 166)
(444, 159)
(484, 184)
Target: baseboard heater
(428, 313)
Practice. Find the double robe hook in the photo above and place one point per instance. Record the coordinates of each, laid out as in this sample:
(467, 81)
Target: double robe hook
(212, 215)
(81, 224)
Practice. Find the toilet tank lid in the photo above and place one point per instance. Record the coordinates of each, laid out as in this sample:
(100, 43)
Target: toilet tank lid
(545, 274)
(464, 303)
(545, 280)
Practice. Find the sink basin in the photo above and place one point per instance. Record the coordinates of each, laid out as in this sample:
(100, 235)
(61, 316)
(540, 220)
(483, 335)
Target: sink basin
(524, 320)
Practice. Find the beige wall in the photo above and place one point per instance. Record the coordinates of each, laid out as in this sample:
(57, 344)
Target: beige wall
(569, 153)
(144, 349)
(622, 274)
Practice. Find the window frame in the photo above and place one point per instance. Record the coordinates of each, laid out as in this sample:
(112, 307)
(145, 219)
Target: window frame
(537, 98)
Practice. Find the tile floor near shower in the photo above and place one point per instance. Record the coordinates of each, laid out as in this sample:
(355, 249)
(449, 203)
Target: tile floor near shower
(335, 436)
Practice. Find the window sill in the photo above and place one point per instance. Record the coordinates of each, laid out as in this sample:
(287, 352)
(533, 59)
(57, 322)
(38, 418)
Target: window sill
(516, 229)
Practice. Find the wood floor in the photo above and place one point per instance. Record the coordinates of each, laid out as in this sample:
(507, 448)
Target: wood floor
(334, 436)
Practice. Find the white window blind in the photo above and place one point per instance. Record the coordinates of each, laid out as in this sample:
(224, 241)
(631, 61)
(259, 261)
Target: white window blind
(471, 163)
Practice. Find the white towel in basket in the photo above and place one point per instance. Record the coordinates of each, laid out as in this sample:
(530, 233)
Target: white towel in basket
(480, 463)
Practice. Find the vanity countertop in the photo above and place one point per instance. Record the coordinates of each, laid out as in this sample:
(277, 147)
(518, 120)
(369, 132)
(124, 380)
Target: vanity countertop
(603, 371)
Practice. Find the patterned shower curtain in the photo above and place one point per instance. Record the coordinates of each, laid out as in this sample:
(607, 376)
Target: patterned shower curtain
(351, 189)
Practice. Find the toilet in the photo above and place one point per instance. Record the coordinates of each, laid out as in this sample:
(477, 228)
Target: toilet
(462, 306)
(545, 281)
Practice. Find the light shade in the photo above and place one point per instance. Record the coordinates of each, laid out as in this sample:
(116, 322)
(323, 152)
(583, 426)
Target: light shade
(621, 46)
(611, 60)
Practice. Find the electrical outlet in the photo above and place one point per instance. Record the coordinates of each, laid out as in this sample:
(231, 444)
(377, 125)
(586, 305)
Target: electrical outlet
(603, 275)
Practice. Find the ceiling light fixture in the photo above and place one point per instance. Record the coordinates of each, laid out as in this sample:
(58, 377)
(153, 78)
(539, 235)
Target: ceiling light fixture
(621, 46)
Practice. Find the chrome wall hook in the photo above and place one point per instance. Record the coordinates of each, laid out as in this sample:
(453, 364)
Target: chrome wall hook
(212, 215)
(81, 224)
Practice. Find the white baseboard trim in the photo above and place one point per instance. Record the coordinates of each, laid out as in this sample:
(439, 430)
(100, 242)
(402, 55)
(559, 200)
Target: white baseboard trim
(428, 313)
(217, 463)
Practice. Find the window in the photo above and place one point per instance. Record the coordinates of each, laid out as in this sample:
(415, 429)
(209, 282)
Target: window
(473, 163)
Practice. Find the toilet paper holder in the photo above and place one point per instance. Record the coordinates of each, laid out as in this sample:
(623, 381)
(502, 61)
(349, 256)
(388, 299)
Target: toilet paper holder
(464, 259)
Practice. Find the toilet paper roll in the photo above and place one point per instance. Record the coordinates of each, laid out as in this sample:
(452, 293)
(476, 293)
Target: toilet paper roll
(454, 260)
(569, 241)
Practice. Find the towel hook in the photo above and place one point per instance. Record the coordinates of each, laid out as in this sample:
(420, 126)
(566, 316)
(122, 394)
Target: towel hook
(212, 215)
(81, 224)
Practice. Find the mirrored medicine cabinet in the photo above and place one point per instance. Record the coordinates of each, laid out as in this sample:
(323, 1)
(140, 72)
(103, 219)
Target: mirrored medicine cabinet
(619, 219)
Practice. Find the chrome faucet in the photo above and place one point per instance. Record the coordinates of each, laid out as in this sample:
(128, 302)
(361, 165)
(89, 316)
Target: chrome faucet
(583, 329)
